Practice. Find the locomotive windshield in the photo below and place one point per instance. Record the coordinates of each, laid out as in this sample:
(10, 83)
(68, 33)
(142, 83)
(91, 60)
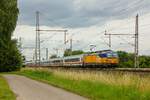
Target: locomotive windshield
(115, 54)
(108, 55)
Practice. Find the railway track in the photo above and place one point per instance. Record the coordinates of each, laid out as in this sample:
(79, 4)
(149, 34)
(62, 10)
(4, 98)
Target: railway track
(121, 70)
(134, 69)
(137, 71)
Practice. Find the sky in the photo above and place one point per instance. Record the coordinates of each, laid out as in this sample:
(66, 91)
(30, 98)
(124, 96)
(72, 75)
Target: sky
(86, 22)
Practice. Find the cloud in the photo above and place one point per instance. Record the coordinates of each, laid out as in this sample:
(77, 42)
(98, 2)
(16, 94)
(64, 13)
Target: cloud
(87, 21)
(78, 13)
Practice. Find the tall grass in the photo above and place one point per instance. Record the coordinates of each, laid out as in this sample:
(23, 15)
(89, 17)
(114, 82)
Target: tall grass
(111, 78)
(95, 85)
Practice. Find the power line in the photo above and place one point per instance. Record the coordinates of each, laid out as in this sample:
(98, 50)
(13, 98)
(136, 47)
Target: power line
(126, 41)
(137, 3)
(136, 45)
(47, 39)
(38, 42)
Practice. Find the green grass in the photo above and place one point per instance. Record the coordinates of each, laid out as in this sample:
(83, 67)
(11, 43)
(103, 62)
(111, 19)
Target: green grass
(5, 92)
(92, 89)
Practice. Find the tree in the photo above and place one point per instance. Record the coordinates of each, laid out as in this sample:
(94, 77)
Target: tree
(10, 58)
(68, 52)
(144, 61)
(127, 60)
(53, 56)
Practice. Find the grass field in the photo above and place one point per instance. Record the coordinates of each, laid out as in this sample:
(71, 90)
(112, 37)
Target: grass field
(95, 85)
(5, 92)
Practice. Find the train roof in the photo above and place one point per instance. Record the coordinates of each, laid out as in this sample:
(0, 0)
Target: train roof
(68, 57)
(74, 56)
(56, 59)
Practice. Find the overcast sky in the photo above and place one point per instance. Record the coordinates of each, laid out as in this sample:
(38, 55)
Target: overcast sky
(86, 21)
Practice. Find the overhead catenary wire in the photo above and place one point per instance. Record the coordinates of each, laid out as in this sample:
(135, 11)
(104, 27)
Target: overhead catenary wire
(131, 6)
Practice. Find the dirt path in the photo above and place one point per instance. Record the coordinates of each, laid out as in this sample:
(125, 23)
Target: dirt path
(27, 89)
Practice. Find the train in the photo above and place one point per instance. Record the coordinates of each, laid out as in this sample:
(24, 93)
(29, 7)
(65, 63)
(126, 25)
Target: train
(104, 58)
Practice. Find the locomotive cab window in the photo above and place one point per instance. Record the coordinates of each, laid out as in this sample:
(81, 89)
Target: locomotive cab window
(103, 55)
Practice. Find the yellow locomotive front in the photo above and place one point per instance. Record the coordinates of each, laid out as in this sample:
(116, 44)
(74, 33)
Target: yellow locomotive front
(105, 58)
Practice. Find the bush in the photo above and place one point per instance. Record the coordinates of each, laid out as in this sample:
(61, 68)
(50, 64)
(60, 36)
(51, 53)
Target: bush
(10, 58)
(127, 60)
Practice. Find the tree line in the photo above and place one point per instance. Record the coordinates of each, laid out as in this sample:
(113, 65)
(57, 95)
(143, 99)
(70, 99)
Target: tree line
(127, 60)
